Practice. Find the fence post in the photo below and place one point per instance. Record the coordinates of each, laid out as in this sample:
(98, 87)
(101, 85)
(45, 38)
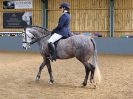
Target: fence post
(45, 13)
(111, 18)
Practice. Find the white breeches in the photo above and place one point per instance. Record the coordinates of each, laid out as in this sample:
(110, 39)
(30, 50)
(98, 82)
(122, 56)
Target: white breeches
(55, 37)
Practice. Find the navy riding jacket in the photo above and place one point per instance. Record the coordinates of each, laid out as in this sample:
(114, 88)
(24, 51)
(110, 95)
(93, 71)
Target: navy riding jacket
(63, 27)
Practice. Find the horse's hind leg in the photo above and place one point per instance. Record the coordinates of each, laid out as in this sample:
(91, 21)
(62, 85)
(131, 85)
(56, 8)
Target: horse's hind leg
(92, 73)
(40, 70)
(87, 70)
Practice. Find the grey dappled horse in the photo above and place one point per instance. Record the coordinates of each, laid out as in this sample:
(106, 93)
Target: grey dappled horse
(79, 46)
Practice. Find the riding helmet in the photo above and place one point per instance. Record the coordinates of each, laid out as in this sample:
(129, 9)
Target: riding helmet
(65, 5)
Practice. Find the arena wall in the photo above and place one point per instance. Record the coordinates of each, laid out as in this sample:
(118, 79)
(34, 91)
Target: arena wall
(104, 45)
(88, 16)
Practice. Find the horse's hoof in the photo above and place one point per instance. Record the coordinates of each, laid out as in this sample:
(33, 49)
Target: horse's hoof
(37, 78)
(84, 84)
(50, 82)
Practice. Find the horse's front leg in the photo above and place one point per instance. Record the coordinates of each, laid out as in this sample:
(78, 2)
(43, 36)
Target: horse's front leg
(51, 81)
(40, 70)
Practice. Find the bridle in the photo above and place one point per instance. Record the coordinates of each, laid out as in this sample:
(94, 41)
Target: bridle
(33, 41)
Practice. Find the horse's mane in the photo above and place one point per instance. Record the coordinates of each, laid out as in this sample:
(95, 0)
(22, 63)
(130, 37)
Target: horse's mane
(43, 28)
(37, 27)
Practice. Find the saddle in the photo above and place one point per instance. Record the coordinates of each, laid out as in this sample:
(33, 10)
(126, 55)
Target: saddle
(53, 51)
(56, 43)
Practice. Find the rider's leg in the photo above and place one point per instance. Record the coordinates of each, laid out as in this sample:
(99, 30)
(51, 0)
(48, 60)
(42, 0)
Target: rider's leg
(52, 51)
(51, 45)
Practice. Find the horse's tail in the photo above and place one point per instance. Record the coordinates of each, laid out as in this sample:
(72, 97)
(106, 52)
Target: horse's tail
(95, 61)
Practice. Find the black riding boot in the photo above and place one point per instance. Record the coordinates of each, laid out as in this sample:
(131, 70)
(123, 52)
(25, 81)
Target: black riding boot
(52, 51)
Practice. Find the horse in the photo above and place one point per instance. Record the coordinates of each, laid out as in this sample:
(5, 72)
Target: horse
(79, 46)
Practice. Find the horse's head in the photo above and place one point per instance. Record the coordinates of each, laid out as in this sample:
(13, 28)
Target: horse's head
(32, 35)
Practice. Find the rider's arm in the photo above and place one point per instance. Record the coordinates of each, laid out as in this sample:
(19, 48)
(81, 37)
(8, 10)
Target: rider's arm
(60, 23)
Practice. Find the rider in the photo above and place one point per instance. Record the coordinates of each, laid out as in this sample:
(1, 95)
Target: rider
(61, 31)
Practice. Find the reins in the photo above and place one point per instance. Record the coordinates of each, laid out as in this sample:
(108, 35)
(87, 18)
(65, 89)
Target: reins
(38, 39)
